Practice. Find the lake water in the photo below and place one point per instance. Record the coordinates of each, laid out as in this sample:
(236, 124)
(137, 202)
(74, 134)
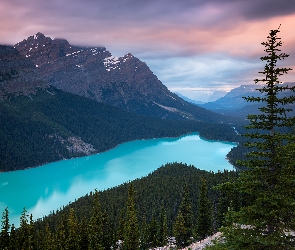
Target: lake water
(47, 188)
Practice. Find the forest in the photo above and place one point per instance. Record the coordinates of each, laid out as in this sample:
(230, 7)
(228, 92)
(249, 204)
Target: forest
(34, 130)
(175, 200)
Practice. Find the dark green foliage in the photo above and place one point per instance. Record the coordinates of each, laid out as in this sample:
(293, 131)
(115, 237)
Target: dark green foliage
(179, 230)
(4, 235)
(163, 227)
(95, 227)
(145, 209)
(182, 229)
(73, 238)
(131, 226)
(36, 131)
(13, 242)
(204, 215)
(267, 184)
(24, 234)
(152, 233)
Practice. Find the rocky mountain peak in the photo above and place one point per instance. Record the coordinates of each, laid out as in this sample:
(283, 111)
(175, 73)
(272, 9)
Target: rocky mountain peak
(94, 72)
(89, 71)
(18, 75)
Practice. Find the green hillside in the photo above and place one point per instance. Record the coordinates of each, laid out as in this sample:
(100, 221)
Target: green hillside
(157, 199)
(52, 124)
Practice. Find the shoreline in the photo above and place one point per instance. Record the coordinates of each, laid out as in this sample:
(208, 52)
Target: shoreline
(153, 138)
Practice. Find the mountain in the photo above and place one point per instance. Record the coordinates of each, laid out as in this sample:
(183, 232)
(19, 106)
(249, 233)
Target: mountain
(234, 99)
(18, 76)
(40, 123)
(216, 95)
(233, 103)
(53, 125)
(188, 99)
(93, 72)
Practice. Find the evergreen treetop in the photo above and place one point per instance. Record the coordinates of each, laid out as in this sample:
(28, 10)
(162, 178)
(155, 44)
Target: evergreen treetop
(268, 181)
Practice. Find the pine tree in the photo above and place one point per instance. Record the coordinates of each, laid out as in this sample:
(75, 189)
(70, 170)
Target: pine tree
(163, 227)
(179, 230)
(4, 236)
(47, 238)
(13, 240)
(183, 221)
(269, 217)
(204, 215)
(24, 230)
(73, 239)
(95, 229)
(153, 230)
(83, 225)
(131, 228)
(120, 228)
(31, 240)
(61, 234)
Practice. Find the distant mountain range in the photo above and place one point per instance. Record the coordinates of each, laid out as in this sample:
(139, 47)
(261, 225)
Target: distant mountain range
(188, 99)
(233, 103)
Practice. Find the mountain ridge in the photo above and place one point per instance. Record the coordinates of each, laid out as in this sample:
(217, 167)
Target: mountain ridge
(234, 104)
(40, 123)
(125, 82)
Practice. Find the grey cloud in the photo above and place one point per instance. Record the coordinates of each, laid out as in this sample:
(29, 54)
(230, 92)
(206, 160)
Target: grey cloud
(268, 8)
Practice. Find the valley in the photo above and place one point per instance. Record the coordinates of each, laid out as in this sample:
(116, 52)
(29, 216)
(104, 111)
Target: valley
(63, 107)
(48, 114)
(49, 187)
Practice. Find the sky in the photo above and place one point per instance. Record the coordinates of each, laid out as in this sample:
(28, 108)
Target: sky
(195, 47)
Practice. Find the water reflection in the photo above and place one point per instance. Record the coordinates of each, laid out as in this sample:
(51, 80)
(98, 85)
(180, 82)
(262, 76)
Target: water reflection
(53, 185)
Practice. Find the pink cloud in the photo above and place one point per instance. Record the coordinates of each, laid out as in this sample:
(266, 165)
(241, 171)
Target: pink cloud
(163, 32)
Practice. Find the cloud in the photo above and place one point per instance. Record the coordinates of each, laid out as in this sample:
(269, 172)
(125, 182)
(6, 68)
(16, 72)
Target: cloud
(186, 43)
(204, 74)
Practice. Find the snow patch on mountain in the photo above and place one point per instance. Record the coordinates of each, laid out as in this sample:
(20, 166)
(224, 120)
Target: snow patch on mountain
(75, 53)
(111, 62)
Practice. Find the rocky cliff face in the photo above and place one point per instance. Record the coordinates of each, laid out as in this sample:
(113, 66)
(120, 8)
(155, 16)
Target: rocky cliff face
(125, 82)
(18, 75)
(92, 72)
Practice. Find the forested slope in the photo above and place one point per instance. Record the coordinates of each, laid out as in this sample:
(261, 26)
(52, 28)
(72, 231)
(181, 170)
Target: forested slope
(158, 200)
(54, 125)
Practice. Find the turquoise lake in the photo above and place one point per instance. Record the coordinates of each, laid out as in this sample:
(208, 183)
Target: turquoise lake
(49, 187)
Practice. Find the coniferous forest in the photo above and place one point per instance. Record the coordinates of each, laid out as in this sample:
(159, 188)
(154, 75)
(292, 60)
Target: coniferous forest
(36, 130)
(175, 200)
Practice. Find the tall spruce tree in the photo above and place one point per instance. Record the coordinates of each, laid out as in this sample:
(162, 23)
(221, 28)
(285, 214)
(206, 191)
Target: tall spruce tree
(182, 229)
(204, 215)
(4, 235)
(73, 239)
(131, 227)
(24, 230)
(163, 227)
(13, 244)
(268, 220)
(95, 229)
